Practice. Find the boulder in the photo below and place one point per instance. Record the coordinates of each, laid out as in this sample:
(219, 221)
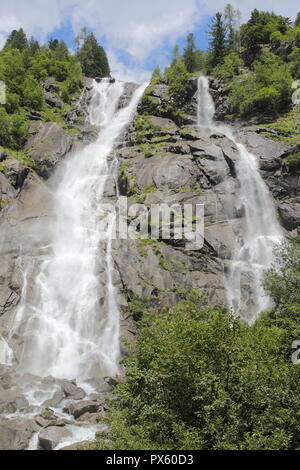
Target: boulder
(55, 400)
(72, 391)
(83, 445)
(289, 212)
(53, 101)
(50, 437)
(15, 172)
(79, 408)
(11, 401)
(16, 433)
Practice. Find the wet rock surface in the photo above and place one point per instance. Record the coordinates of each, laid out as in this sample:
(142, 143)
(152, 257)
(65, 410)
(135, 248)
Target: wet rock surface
(25, 416)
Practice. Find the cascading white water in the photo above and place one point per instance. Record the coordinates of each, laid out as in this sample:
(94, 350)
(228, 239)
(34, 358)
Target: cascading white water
(69, 333)
(261, 231)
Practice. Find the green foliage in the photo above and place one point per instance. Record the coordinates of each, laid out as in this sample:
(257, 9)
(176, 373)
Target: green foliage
(282, 280)
(232, 22)
(156, 78)
(292, 162)
(294, 62)
(13, 129)
(24, 66)
(17, 40)
(217, 41)
(93, 58)
(266, 90)
(259, 30)
(176, 77)
(32, 95)
(189, 57)
(230, 68)
(200, 379)
(286, 128)
(144, 129)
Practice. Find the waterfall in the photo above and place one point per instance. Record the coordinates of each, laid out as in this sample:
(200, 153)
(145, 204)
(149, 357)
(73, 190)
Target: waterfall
(261, 231)
(70, 325)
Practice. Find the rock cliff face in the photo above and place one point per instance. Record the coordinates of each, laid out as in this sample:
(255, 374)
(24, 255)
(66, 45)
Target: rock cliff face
(162, 161)
(163, 158)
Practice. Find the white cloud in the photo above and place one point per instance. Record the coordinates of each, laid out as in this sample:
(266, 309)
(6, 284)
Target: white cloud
(135, 73)
(137, 27)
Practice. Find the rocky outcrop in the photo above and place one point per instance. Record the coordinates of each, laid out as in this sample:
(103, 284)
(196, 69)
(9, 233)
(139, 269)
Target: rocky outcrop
(178, 166)
(167, 161)
(284, 185)
(48, 146)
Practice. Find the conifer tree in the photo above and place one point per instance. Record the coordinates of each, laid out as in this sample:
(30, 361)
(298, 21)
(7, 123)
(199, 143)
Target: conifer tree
(232, 18)
(93, 58)
(189, 53)
(17, 40)
(175, 54)
(217, 41)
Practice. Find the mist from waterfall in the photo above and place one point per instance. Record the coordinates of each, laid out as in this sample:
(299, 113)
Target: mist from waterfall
(72, 320)
(261, 231)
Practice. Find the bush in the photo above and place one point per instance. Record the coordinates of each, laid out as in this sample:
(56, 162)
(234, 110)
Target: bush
(230, 68)
(265, 90)
(32, 95)
(200, 379)
(13, 129)
(176, 77)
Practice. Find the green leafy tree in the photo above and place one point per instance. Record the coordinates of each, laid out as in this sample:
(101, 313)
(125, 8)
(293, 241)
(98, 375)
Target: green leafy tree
(32, 95)
(282, 280)
(232, 21)
(17, 40)
(258, 30)
(175, 54)
(200, 379)
(156, 76)
(176, 77)
(93, 58)
(217, 41)
(266, 90)
(230, 68)
(189, 53)
(59, 49)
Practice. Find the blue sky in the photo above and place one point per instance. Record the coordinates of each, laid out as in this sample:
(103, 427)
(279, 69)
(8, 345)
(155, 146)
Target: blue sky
(138, 35)
(159, 56)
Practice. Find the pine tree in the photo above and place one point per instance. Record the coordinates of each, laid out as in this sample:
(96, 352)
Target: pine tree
(156, 76)
(93, 58)
(17, 40)
(297, 20)
(232, 18)
(189, 54)
(175, 54)
(218, 41)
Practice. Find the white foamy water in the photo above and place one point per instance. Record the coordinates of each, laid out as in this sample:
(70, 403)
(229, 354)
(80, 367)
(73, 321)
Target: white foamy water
(261, 232)
(71, 323)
